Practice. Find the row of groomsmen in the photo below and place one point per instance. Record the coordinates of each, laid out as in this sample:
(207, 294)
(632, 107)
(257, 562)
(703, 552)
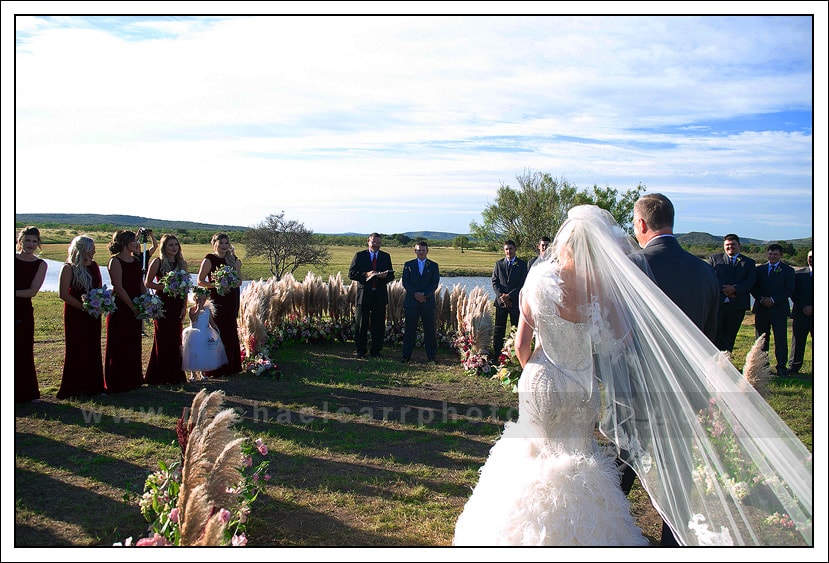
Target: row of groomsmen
(772, 285)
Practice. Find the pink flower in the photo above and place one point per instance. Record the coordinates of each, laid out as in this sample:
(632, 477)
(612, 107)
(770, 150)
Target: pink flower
(238, 541)
(174, 515)
(267, 477)
(224, 514)
(260, 445)
(255, 477)
(248, 461)
(156, 539)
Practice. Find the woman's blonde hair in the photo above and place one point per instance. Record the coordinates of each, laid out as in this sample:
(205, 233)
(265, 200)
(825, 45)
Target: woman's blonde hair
(229, 257)
(79, 250)
(179, 263)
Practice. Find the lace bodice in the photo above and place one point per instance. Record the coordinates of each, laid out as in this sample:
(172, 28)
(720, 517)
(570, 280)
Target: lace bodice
(558, 396)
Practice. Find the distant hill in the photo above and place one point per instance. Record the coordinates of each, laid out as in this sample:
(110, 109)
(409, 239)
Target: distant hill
(45, 219)
(696, 238)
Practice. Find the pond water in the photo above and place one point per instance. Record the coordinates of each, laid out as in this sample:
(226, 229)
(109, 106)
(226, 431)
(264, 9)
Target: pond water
(469, 282)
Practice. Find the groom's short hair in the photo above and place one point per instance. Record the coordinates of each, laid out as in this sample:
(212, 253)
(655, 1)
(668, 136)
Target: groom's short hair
(656, 210)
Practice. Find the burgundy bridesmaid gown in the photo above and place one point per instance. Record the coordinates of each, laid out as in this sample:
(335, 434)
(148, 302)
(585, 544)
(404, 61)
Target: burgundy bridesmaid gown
(122, 359)
(25, 377)
(227, 311)
(164, 366)
(83, 370)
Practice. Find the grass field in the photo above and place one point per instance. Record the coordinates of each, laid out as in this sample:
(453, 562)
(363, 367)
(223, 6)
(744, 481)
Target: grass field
(363, 453)
(452, 262)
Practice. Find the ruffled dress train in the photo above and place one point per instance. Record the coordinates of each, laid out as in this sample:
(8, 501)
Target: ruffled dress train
(547, 481)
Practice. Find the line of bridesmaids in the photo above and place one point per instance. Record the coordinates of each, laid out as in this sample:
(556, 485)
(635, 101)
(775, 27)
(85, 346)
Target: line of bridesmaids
(84, 373)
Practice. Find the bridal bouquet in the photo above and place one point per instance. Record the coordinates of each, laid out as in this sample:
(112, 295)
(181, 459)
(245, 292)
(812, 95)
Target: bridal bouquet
(226, 279)
(177, 283)
(149, 306)
(98, 301)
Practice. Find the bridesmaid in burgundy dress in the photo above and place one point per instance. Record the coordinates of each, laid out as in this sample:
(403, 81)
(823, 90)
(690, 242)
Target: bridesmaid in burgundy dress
(227, 306)
(29, 273)
(122, 359)
(165, 359)
(83, 370)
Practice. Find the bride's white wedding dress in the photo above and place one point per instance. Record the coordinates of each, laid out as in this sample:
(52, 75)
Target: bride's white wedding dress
(546, 481)
(610, 345)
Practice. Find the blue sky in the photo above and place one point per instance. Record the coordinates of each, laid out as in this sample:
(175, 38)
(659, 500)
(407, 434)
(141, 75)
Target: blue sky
(394, 124)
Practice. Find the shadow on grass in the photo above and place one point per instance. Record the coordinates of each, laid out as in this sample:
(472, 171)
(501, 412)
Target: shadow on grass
(75, 507)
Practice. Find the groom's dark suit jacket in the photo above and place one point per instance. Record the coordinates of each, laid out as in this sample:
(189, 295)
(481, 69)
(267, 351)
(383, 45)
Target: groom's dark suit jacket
(414, 282)
(741, 275)
(361, 265)
(689, 281)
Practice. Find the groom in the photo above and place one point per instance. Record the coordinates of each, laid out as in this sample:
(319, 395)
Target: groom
(687, 280)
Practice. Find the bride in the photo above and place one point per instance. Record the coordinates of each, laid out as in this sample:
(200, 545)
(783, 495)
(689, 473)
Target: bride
(611, 349)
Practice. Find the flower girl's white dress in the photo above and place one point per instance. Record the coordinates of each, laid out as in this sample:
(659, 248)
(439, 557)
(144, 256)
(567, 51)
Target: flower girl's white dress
(546, 482)
(202, 348)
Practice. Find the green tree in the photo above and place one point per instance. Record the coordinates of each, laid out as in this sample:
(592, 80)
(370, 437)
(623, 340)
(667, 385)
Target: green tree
(539, 206)
(287, 245)
(461, 242)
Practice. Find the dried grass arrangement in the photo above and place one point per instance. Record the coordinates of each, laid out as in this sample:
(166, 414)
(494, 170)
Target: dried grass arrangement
(210, 470)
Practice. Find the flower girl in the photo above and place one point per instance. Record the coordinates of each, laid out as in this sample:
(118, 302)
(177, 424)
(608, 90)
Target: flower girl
(202, 348)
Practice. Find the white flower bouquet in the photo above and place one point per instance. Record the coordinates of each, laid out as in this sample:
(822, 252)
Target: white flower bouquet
(177, 283)
(99, 301)
(226, 280)
(149, 306)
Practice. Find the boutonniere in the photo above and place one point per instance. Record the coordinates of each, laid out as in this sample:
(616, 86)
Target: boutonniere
(776, 269)
(738, 259)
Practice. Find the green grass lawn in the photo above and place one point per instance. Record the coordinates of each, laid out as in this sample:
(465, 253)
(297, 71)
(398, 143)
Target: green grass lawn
(452, 262)
(362, 453)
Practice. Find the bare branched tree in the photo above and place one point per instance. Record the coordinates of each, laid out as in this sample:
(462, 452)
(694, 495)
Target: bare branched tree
(287, 245)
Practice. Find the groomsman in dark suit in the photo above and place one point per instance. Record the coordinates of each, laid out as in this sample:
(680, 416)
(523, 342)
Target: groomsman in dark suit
(687, 280)
(421, 277)
(543, 243)
(372, 270)
(772, 289)
(803, 322)
(736, 274)
(508, 277)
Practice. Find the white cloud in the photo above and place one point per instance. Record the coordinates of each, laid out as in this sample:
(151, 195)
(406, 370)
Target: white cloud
(312, 114)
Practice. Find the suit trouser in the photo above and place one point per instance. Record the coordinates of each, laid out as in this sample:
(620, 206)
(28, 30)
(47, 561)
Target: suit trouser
(766, 322)
(370, 316)
(500, 332)
(430, 341)
(729, 319)
(802, 326)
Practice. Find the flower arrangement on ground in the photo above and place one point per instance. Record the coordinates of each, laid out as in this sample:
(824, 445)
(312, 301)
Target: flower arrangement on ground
(99, 301)
(205, 499)
(474, 363)
(262, 366)
(149, 306)
(177, 283)
(509, 368)
(226, 279)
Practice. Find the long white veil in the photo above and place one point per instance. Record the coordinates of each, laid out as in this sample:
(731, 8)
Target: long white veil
(717, 461)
